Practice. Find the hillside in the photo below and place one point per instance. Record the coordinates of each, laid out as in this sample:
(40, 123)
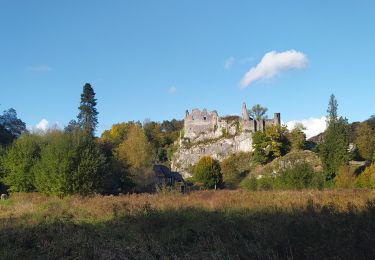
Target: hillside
(289, 160)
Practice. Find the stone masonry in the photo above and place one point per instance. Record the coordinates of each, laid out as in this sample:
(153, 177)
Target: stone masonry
(206, 133)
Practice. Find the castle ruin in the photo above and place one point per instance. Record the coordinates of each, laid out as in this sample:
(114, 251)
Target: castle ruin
(206, 133)
(201, 125)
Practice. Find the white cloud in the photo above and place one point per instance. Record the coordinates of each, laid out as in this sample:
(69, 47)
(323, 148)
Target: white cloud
(43, 125)
(40, 68)
(272, 64)
(172, 90)
(314, 126)
(229, 63)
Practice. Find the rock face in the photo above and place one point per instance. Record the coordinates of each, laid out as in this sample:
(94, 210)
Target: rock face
(187, 155)
(205, 133)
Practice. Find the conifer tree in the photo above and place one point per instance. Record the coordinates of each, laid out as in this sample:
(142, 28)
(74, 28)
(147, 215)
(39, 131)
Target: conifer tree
(334, 149)
(88, 115)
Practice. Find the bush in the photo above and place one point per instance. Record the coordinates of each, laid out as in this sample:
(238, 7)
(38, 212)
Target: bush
(208, 172)
(235, 168)
(266, 183)
(250, 183)
(367, 178)
(299, 176)
(345, 178)
(71, 163)
(19, 163)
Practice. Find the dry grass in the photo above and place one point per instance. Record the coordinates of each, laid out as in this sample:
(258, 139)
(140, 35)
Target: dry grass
(239, 223)
(101, 207)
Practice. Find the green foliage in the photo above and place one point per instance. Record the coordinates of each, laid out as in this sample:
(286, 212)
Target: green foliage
(235, 168)
(277, 140)
(249, 183)
(367, 178)
(258, 112)
(208, 172)
(297, 138)
(71, 163)
(88, 115)
(11, 127)
(345, 178)
(19, 163)
(270, 144)
(224, 133)
(299, 176)
(365, 141)
(332, 110)
(334, 149)
(137, 152)
(260, 155)
(118, 133)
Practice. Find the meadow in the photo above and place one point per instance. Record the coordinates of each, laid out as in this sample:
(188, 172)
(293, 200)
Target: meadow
(201, 225)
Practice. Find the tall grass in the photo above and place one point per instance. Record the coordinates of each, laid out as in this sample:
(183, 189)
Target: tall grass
(205, 224)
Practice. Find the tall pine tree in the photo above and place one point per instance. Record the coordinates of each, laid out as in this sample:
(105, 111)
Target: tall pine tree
(88, 115)
(334, 149)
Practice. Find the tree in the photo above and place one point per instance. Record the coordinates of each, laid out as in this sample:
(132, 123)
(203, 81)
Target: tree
(88, 115)
(137, 152)
(334, 148)
(208, 171)
(277, 141)
(11, 126)
(71, 163)
(118, 133)
(332, 110)
(19, 163)
(258, 112)
(365, 141)
(260, 155)
(297, 138)
(270, 144)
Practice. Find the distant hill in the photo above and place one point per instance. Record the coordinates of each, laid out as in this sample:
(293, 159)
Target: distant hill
(315, 140)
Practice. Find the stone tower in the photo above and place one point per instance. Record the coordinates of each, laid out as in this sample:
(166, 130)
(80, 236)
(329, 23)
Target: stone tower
(245, 113)
(277, 119)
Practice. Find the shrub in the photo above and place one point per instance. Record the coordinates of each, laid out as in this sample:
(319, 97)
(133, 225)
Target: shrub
(266, 183)
(208, 172)
(19, 163)
(249, 183)
(71, 163)
(299, 176)
(235, 168)
(345, 178)
(367, 178)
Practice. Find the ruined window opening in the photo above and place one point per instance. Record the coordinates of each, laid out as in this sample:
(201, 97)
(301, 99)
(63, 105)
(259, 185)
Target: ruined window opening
(204, 118)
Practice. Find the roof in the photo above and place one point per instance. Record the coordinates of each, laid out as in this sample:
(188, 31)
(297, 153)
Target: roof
(166, 172)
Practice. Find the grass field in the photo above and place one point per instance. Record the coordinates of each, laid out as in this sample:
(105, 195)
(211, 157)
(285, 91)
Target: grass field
(205, 224)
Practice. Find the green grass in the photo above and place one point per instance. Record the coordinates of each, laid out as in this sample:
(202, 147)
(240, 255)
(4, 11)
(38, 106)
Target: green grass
(202, 225)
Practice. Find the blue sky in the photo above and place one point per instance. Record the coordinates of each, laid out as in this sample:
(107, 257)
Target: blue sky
(155, 59)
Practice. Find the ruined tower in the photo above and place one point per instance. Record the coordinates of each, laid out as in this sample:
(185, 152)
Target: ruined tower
(245, 113)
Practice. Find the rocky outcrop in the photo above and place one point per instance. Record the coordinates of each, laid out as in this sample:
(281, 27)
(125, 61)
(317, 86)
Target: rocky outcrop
(220, 148)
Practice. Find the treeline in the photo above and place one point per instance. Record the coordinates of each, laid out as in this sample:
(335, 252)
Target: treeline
(74, 161)
(341, 143)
